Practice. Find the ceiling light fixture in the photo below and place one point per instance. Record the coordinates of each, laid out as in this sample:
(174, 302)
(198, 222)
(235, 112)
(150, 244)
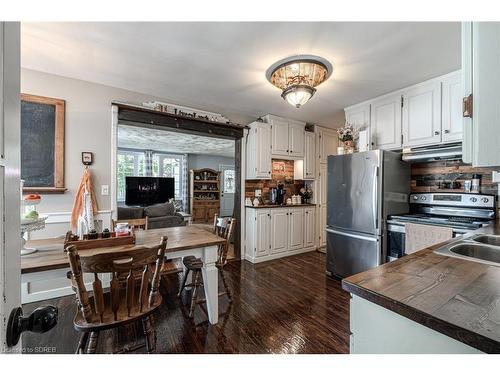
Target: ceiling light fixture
(297, 77)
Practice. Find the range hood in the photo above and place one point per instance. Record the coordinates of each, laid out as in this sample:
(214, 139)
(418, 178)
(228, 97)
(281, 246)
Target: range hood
(451, 151)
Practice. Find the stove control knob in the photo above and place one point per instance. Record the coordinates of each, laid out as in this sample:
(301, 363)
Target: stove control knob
(473, 199)
(485, 200)
(415, 198)
(424, 197)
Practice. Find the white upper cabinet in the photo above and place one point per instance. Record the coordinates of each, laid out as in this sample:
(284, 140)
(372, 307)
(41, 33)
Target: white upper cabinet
(287, 137)
(259, 151)
(328, 143)
(451, 108)
(481, 79)
(296, 138)
(385, 122)
(280, 137)
(358, 116)
(422, 114)
(310, 156)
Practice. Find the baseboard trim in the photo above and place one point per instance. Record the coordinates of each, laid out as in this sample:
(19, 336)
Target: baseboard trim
(284, 254)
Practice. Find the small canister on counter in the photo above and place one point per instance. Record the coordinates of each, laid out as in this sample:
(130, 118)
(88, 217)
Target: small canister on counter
(476, 184)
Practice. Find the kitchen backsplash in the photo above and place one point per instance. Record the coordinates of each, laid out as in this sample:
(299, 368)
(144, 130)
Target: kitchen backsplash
(438, 176)
(282, 172)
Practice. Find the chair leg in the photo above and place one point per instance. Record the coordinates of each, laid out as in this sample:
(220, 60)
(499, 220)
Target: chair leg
(82, 343)
(94, 336)
(184, 280)
(224, 283)
(148, 326)
(195, 293)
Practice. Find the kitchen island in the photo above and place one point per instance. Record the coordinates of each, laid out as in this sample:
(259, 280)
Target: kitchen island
(426, 303)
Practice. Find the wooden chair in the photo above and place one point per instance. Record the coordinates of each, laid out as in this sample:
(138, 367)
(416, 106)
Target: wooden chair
(225, 229)
(133, 223)
(127, 301)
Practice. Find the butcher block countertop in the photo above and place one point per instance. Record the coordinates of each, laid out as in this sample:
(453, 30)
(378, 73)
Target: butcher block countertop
(458, 298)
(51, 255)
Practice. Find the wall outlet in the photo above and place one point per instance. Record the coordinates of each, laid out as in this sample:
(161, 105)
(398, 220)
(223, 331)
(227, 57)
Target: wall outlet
(495, 176)
(104, 189)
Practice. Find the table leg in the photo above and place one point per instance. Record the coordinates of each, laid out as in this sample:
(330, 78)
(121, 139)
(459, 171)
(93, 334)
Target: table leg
(211, 284)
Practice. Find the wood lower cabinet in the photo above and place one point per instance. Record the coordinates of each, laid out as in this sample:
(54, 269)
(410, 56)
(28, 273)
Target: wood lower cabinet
(276, 232)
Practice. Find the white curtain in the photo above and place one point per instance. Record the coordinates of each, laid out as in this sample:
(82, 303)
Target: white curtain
(184, 182)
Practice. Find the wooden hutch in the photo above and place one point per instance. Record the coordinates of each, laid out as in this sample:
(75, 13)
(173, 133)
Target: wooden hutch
(204, 194)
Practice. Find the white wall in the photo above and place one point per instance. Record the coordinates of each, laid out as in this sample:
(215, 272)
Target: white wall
(88, 128)
(208, 161)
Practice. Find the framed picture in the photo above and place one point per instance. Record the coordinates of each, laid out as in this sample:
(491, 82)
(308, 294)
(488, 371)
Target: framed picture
(42, 144)
(87, 158)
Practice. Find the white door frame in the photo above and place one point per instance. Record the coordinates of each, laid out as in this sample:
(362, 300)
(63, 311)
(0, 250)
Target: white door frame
(10, 126)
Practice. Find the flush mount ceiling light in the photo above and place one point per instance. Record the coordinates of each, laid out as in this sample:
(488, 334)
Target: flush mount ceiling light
(297, 77)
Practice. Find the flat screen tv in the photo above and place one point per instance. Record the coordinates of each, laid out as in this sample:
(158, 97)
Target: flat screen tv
(145, 191)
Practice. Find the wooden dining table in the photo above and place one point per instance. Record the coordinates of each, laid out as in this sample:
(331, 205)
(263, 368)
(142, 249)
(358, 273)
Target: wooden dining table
(182, 241)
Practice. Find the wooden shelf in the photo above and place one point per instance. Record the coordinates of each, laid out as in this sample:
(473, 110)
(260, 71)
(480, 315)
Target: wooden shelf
(44, 190)
(202, 209)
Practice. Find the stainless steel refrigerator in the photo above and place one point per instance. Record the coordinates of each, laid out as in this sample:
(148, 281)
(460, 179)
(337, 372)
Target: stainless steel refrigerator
(363, 189)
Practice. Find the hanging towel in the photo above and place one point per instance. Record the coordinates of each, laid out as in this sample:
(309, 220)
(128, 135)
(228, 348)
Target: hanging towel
(85, 205)
(418, 236)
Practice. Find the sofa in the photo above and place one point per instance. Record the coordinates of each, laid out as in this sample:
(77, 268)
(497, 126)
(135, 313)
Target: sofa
(161, 215)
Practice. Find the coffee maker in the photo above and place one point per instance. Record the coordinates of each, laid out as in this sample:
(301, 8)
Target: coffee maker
(278, 195)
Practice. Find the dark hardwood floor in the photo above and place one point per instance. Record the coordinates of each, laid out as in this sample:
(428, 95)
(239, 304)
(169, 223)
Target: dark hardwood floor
(283, 306)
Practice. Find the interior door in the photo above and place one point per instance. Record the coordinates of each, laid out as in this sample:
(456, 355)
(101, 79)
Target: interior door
(279, 230)
(228, 183)
(353, 191)
(422, 115)
(279, 137)
(10, 236)
(385, 122)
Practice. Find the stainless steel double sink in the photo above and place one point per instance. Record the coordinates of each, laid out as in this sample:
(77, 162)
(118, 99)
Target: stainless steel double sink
(482, 248)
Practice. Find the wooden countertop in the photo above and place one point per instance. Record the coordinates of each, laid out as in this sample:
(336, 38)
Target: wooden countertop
(284, 206)
(50, 254)
(458, 298)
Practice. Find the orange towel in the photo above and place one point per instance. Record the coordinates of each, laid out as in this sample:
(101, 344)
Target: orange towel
(85, 185)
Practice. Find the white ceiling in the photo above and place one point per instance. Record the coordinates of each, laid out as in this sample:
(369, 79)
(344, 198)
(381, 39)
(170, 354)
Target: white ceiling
(220, 67)
(166, 141)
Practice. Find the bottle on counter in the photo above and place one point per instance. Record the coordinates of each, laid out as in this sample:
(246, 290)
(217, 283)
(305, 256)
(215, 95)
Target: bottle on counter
(476, 184)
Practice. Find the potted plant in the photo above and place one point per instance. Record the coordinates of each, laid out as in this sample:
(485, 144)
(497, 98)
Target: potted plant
(346, 137)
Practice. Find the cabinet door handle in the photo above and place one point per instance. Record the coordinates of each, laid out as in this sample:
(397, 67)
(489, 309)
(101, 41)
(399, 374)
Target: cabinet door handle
(436, 133)
(446, 131)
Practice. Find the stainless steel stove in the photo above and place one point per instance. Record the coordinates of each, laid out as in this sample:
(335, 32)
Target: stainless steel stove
(462, 212)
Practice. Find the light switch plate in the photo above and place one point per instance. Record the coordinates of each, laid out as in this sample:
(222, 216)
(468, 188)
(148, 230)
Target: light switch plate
(104, 189)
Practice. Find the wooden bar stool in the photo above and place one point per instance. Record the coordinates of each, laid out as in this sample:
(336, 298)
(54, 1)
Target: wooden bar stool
(127, 300)
(225, 229)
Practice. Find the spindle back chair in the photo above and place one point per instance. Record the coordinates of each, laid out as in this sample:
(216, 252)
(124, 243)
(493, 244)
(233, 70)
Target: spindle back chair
(128, 299)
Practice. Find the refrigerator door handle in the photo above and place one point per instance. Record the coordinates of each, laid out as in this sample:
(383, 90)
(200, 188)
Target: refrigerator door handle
(375, 197)
(358, 236)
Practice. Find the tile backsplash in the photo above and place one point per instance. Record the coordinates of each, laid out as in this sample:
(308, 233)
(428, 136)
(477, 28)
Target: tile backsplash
(437, 176)
(282, 172)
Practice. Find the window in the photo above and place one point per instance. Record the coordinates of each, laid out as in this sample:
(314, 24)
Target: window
(165, 165)
(228, 179)
(129, 163)
(133, 163)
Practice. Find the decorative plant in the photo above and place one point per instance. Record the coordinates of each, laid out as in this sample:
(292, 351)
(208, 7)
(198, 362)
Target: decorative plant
(346, 133)
(306, 193)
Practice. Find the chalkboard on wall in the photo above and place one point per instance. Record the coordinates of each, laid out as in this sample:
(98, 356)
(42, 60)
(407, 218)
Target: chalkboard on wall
(42, 144)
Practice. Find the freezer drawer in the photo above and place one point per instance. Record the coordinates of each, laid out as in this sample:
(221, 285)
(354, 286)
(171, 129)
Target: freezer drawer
(349, 253)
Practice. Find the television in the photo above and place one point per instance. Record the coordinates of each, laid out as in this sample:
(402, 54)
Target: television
(145, 191)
